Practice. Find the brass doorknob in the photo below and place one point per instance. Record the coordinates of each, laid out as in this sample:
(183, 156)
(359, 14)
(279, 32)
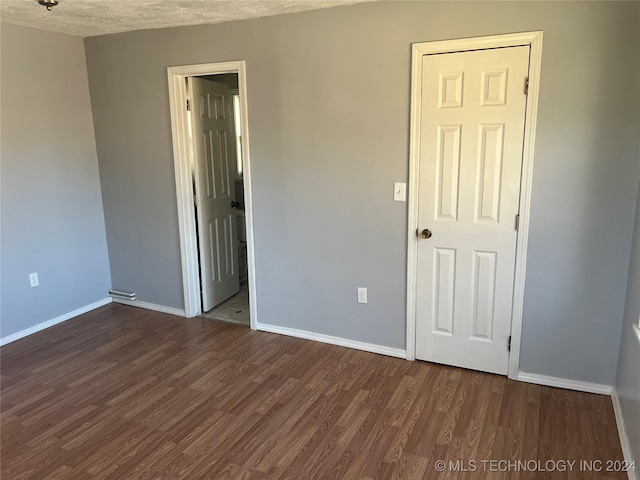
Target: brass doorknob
(426, 233)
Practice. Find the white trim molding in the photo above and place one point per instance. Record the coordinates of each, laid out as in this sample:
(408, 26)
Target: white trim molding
(54, 321)
(184, 193)
(150, 306)
(534, 41)
(564, 383)
(624, 437)
(342, 342)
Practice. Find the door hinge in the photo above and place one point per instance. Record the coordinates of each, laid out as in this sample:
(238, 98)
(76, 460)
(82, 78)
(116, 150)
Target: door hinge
(188, 105)
(526, 85)
(517, 223)
(509, 344)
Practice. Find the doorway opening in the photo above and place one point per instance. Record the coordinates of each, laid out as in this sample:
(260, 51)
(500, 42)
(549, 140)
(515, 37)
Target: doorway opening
(213, 186)
(216, 145)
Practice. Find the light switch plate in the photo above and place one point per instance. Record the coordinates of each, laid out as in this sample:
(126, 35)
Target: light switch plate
(362, 295)
(400, 192)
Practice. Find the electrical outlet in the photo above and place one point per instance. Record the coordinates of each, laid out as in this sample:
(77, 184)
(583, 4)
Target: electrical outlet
(362, 295)
(33, 279)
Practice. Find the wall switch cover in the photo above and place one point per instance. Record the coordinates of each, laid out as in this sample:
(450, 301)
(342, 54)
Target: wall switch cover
(400, 192)
(33, 279)
(362, 295)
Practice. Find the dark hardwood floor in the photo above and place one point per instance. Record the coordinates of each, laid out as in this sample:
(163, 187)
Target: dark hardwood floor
(127, 393)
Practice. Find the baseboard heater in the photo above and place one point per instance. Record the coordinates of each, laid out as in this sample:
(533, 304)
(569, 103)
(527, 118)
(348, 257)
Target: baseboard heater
(125, 295)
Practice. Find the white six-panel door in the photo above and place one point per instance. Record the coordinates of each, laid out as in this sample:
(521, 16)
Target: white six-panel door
(471, 144)
(215, 160)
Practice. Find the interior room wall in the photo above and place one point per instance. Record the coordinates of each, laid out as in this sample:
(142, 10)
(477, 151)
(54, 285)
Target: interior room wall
(230, 79)
(52, 219)
(328, 95)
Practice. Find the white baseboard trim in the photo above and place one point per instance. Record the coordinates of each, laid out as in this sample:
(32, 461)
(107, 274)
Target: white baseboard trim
(54, 321)
(342, 342)
(624, 439)
(564, 383)
(150, 306)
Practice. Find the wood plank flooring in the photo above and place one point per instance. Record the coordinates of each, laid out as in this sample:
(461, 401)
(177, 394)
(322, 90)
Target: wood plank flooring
(125, 393)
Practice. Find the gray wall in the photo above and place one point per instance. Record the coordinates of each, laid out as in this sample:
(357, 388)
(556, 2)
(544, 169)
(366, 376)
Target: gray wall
(628, 378)
(328, 95)
(51, 208)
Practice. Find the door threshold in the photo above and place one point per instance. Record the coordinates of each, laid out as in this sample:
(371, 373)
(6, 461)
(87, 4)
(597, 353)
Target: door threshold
(216, 318)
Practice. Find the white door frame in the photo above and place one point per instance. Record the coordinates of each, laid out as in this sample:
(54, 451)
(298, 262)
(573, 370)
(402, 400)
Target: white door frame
(182, 157)
(534, 40)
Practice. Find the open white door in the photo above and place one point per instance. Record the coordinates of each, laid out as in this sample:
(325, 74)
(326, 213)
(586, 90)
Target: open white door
(472, 117)
(214, 149)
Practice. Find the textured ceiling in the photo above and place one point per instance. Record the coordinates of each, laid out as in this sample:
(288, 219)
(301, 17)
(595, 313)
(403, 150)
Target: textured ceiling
(87, 18)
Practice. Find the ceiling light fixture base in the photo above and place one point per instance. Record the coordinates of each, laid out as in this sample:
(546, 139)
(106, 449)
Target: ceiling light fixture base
(48, 3)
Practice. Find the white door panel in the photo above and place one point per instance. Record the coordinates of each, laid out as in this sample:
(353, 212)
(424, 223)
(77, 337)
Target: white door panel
(214, 149)
(471, 136)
